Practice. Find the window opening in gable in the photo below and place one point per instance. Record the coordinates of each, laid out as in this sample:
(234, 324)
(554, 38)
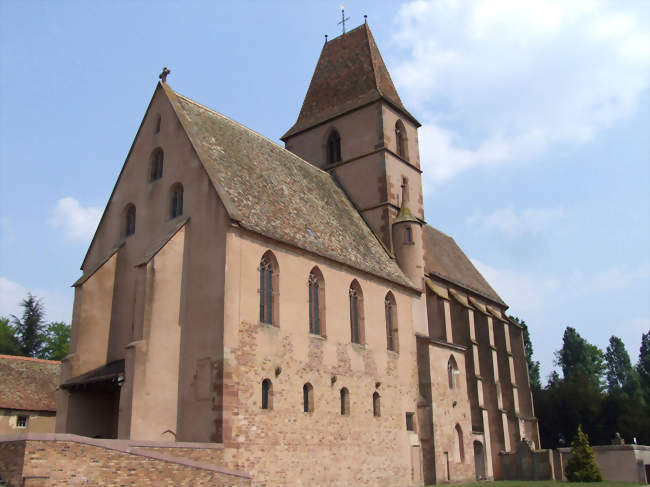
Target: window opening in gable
(334, 147)
(156, 164)
(267, 394)
(308, 398)
(130, 221)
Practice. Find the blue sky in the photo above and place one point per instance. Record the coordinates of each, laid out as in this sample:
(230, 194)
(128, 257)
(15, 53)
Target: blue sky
(534, 140)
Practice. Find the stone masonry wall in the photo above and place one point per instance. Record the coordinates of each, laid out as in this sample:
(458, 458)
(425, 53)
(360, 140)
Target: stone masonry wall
(70, 463)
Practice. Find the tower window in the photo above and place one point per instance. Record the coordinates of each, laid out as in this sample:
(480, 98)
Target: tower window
(130, 220)
(156, 164)
(333, 147)
(408, 235)
(176, 201)
(267, 394)
(400, 140)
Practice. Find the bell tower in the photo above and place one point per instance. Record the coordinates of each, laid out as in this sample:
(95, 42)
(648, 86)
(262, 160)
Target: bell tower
(353, 124)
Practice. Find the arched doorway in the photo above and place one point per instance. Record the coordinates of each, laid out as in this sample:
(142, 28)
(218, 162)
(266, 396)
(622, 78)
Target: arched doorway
(479, 460)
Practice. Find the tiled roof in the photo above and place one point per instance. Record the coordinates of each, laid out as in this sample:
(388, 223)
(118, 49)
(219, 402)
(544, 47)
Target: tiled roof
(444, 258)
(28, 383)
(271, 191)
(350, 73)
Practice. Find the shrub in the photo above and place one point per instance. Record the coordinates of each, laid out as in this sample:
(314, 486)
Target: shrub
(582, 466)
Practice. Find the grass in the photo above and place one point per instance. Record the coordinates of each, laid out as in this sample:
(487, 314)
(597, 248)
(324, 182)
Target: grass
(543, 483)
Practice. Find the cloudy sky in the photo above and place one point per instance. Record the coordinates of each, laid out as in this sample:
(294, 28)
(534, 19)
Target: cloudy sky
(534, 140)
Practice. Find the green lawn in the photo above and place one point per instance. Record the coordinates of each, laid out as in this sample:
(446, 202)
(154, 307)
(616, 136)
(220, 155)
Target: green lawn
(543, 483)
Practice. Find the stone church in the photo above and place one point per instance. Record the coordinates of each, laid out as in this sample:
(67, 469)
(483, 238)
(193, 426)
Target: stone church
(288, 311)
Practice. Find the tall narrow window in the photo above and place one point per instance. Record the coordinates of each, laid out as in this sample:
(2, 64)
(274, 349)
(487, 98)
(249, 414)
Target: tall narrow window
(308, 398)
(156, 164)
(333, 147)
(267, 394)
(157, 127)
(459, 451)
(316, 302)
(376, 405)
(356, 313)
(268, 285)
(345, 402)
(176, 201)
(390, 310)
(408, 235)
(130, 220)
(452, 373)
(400, 139)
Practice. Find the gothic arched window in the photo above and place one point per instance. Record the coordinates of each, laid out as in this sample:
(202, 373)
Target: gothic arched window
(176, 201)
(400, 140)
(156, 164)
(333, 147)
(316, 285)
(356, 313)
(390, 310)
(452, 373)
(268, 288)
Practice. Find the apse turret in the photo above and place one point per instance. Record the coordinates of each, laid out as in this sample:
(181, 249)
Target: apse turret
(407, 240)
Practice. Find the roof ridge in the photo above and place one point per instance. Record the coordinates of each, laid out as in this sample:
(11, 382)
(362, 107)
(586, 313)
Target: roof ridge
(372, 62)
(228, 119)
(30, 359)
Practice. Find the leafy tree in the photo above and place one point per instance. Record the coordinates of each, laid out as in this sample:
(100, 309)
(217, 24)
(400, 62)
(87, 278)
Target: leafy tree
(30, 328)
(621, 376)
(57, 341)
(8, 342)
(533, 365)
(582, 466)
(643, 366)
(580, 359)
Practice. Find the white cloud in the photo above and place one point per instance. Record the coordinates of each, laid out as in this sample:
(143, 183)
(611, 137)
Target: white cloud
(78, 223)
(516, 77)
(57, 303)
(515, 223)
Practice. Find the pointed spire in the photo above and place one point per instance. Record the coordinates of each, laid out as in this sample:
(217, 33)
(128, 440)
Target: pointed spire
(405, 214)
(350, 73)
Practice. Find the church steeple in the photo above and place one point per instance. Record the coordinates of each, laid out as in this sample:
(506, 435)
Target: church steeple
(350, 73)
(354, 125)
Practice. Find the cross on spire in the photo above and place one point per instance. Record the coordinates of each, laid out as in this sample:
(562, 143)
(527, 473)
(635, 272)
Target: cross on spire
(343, 18)
(163, 75)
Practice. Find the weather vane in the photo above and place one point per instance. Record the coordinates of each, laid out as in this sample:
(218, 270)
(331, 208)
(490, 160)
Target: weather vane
(343, 18)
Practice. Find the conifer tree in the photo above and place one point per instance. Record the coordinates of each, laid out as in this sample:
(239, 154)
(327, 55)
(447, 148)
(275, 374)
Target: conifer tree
(582, 466)
(30, 328)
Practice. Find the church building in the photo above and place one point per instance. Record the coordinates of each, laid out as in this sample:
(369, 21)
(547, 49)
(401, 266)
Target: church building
(290, 312)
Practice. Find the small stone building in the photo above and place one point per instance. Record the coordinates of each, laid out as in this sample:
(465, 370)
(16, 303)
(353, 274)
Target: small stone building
(293, 304)
(27, 394)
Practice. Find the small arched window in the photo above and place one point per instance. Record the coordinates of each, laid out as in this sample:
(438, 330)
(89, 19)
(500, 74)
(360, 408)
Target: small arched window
(157, 127)
(459, 451)
(156, 164)
(176, 201)
(376, 405)
(268, 288)
(390, 311)
(308, 398)
(356, 313)
(129, 228)
(452, 373)
(267, 394)
(333, 147)
(345, 402)
(400, 140)
(316, 285)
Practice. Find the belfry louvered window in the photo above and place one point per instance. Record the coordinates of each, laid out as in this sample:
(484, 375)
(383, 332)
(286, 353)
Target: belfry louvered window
(266, 290)
(334, 147)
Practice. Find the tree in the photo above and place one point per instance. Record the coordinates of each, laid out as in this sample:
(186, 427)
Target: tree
(8, 342)
(57, 341)
(582, 466)
(30, 328)
(580, 359)
(621, 377)
(643, 366)
(533, 365)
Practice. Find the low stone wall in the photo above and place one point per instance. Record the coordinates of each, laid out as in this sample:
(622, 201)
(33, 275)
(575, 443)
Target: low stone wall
(52, 460)
(622, 463)
(528, 464)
